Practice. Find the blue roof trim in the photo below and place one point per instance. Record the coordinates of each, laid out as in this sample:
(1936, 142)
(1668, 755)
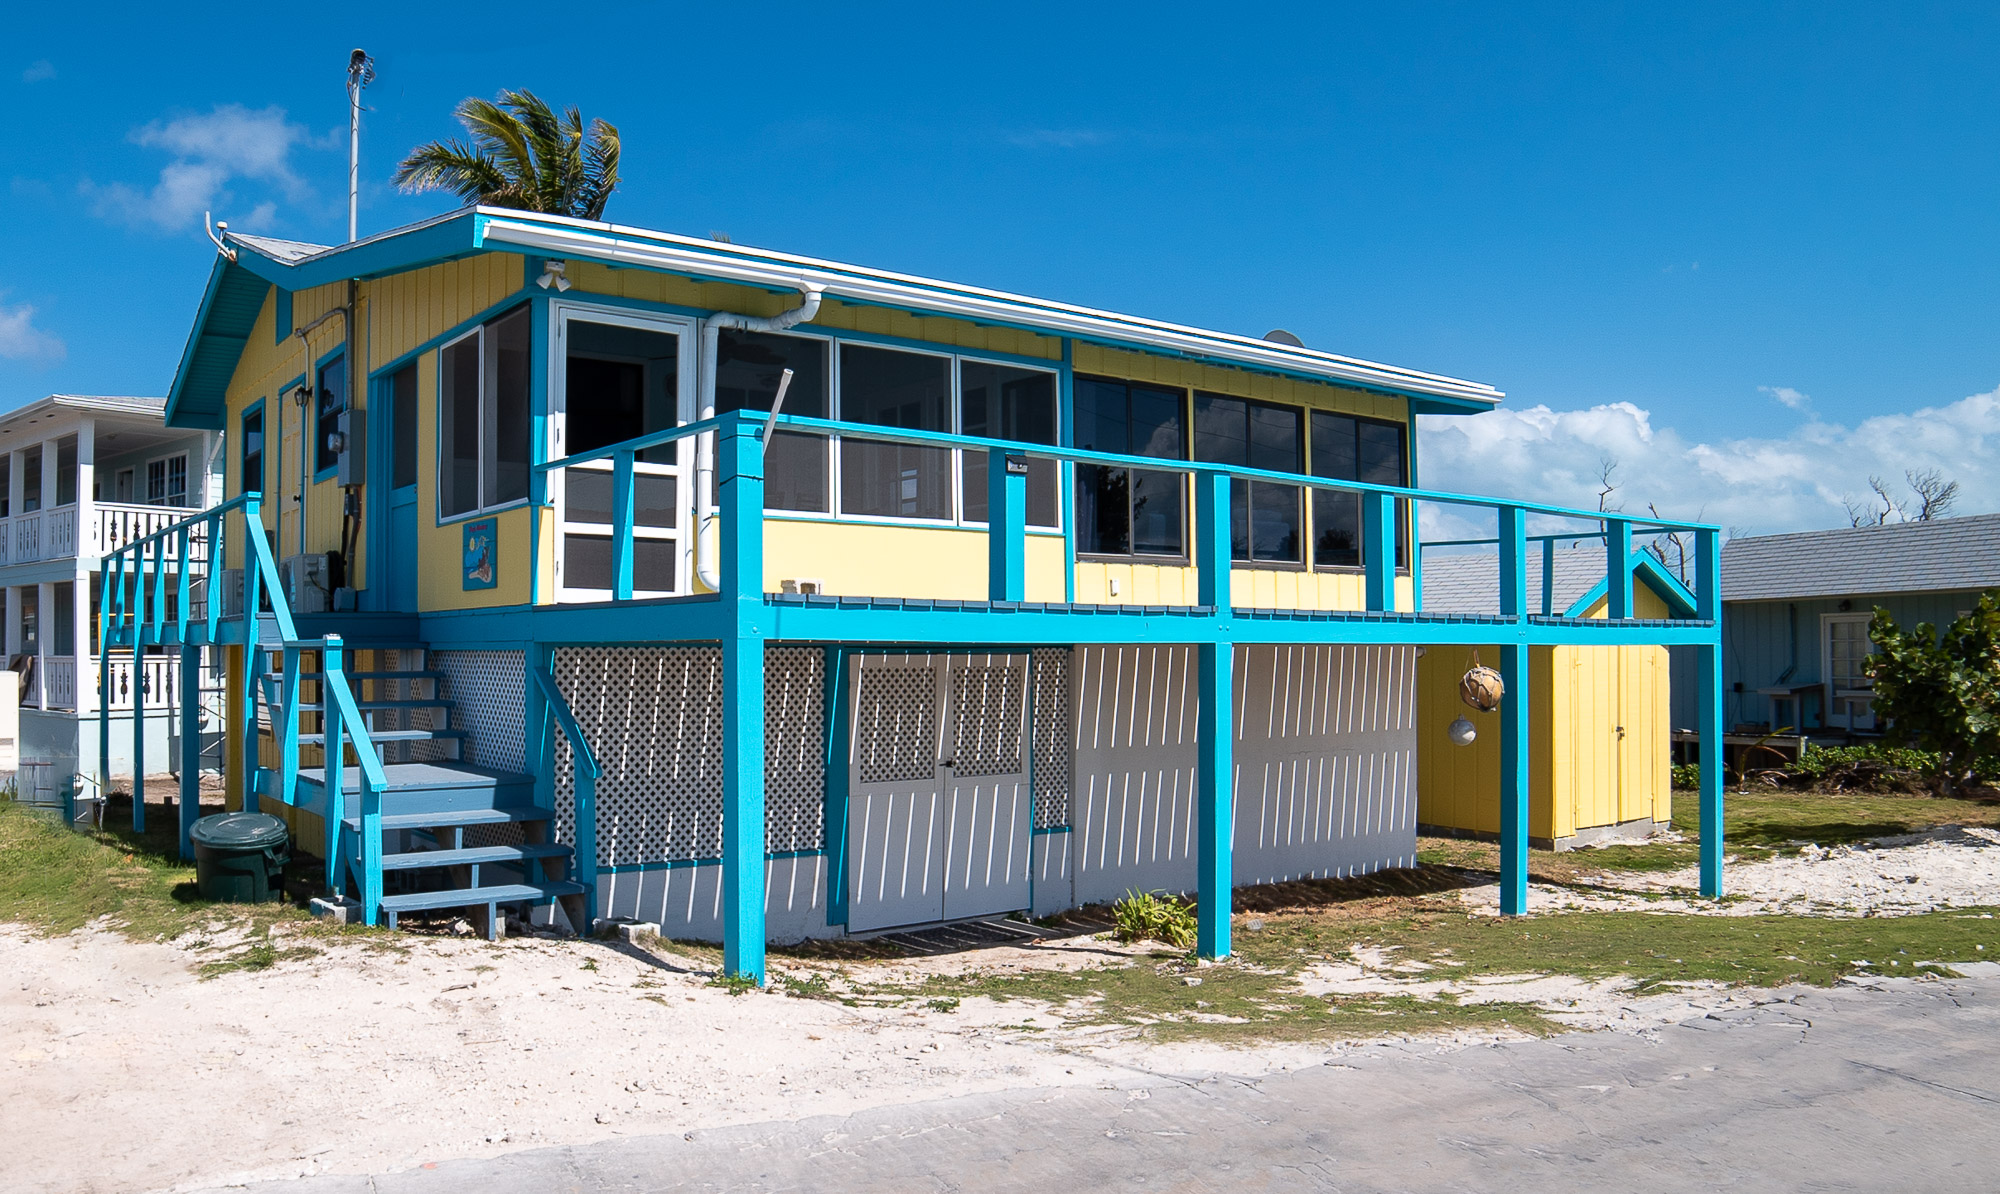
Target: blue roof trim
(1664, 584)
(229, 309)
(391, 252)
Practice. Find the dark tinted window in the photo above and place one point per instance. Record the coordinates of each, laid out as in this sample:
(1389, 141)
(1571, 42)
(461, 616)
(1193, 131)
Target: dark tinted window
(402, 427)
(1123, 511)
(748, 366)
(1266, 519)
(251, 479)
(1352, 449)
(330, 390)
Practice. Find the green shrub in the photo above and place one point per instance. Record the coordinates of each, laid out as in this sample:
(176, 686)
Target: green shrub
(1869, 767)
(1686, 776)
(1940, 693)
(1163, 918)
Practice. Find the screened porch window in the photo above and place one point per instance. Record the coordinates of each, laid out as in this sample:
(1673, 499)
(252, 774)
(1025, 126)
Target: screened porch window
(1010, 402)
(1352, 449)
(1130, 511)
(890, 388)
(621, 381)
(1267, 520)
(484, 418)
(748, 366)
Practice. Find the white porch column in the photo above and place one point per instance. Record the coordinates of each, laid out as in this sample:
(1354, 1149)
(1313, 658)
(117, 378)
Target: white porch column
(45, 607)
(88, 549)
(13, 629)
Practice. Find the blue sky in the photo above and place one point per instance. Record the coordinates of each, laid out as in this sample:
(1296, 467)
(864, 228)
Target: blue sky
(1750, 257)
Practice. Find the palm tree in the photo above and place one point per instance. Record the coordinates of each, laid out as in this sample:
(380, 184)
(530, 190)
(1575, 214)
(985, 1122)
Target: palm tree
(523, 156)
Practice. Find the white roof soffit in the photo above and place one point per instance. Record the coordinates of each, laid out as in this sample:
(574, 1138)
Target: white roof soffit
(682, 255)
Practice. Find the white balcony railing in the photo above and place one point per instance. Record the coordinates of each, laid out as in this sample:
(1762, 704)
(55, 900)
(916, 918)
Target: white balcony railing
(162, 673)
(53, 534)
(119, 523)
(58, 684)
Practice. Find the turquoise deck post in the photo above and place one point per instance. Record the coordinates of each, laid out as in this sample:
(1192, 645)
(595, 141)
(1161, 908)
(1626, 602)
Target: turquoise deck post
(1006, 525)
(253, 662)
(1618, 568)
(190, 800)
(741, 466)
(1708, 682)
(1514, 755)
(1378, 550)
(1215, 725)
(621, 525)
(113, 573)
(333, 766)
(139, 688)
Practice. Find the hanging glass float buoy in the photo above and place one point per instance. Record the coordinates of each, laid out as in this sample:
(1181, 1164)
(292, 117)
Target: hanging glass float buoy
(1461, 732)
(1481, 687)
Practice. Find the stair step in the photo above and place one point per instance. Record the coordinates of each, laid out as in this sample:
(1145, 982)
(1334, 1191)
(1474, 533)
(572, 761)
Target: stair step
(447, 775)
(471, 855)
(390, 736)
(508, 893)
(443, 818)
(367, 705)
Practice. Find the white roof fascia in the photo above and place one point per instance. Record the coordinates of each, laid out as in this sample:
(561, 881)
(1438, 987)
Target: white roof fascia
(558, 237)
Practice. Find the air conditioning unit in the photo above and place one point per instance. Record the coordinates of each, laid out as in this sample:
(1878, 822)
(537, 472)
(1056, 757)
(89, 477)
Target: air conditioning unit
(307, 589)
(227, 587)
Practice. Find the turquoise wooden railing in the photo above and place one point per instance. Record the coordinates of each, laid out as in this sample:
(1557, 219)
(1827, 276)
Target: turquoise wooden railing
(588, 772)
(1007, 527)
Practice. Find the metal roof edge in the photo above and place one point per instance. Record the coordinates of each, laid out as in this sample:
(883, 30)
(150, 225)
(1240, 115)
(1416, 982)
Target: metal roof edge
(178, 390)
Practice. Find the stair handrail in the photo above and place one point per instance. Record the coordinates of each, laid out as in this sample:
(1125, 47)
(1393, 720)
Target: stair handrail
(588, 772)
(342, 725)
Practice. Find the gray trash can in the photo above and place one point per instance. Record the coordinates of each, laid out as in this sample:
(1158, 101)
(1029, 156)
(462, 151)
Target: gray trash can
(239, 858)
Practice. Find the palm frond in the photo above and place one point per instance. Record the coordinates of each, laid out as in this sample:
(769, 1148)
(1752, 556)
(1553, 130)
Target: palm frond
(522, 155)
(495, 131)
(600, 169)
(450, 166)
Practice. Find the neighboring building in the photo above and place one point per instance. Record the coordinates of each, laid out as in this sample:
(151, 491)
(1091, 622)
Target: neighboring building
(80, 476)
(1600, 744)
(953, 650)
(1796, 610)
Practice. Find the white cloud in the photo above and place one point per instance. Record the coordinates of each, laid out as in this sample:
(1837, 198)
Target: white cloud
(21, 340)
(38, 71)
(210, 152)
(1787, 396)
(1796, 481)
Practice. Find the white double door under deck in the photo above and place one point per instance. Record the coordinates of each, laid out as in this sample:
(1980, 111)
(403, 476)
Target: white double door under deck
(939, 806)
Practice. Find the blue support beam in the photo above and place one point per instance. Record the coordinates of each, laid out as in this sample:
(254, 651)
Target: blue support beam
(1212, 557)
(1618, 568)
(1513, 537)
(139, 691)
(1215, 784)
(1378, 549)
(1006, 525)
(190, 762)
(1708, 681)
(741, 460)
(1514, 781)
(621, 525)
(839, 727)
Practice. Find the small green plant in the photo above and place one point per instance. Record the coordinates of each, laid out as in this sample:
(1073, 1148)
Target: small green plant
(942, 1005)
(814, 985)
(1144, 915)
(1686, 776)
(588, 964)
(735, 984)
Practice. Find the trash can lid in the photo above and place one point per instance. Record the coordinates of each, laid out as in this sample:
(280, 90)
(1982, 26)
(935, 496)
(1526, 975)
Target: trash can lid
(239, 831)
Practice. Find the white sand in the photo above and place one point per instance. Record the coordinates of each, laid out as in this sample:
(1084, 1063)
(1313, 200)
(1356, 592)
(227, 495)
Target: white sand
(124, 1071)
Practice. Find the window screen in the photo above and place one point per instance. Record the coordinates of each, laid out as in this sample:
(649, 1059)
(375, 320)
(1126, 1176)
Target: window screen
(1123, 511)
(1352, 449)
(1267, 519)
(895, 389)
(1009, 402)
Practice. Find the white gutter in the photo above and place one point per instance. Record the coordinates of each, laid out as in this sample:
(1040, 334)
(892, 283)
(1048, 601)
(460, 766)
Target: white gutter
(705, 569)
(777, 271)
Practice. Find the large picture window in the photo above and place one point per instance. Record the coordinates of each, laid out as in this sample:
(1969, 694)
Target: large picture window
(748, 366)
(1267, 519)
(167, 481)
(1352, 449)
(483, 419)
(1130, 511)
(890, 388)
(1010, 402)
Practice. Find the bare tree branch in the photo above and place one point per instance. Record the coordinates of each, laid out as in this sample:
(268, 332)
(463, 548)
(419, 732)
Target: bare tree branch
(1935, 495)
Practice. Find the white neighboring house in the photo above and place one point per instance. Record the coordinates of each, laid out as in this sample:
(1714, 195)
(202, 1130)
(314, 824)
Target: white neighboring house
(81, 475)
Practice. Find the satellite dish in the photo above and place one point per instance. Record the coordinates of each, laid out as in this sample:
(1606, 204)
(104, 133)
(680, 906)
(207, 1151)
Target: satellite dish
(1281, 336)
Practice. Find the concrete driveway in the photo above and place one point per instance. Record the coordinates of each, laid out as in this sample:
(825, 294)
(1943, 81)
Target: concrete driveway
(1895, 1087)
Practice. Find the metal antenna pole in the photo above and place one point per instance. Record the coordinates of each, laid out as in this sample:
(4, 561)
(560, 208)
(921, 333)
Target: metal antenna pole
(360, 73)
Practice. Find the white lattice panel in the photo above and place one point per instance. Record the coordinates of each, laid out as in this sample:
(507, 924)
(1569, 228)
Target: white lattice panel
(986, 719)
(653, 716)
(1052, 730)
(895, 725)
(489, 693)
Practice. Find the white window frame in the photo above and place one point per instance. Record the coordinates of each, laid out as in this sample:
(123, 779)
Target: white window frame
(561, 315)
(166, 474)
(488, 418)
(1840, 710)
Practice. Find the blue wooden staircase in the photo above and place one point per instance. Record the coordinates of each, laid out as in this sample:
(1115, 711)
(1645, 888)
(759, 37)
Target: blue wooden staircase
(423, 834)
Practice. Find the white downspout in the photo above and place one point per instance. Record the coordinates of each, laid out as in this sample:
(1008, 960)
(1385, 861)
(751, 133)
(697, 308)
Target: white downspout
(706, 571)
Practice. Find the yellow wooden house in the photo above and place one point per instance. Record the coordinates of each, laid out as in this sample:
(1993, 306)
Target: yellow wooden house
(1599, 762)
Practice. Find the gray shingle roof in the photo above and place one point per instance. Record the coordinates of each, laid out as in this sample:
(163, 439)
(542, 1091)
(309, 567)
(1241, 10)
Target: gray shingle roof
(287, 251)
(1909, 557)
(1470, 584)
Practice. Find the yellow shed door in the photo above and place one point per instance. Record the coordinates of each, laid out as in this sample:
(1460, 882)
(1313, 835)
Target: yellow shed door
(1617, 735)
